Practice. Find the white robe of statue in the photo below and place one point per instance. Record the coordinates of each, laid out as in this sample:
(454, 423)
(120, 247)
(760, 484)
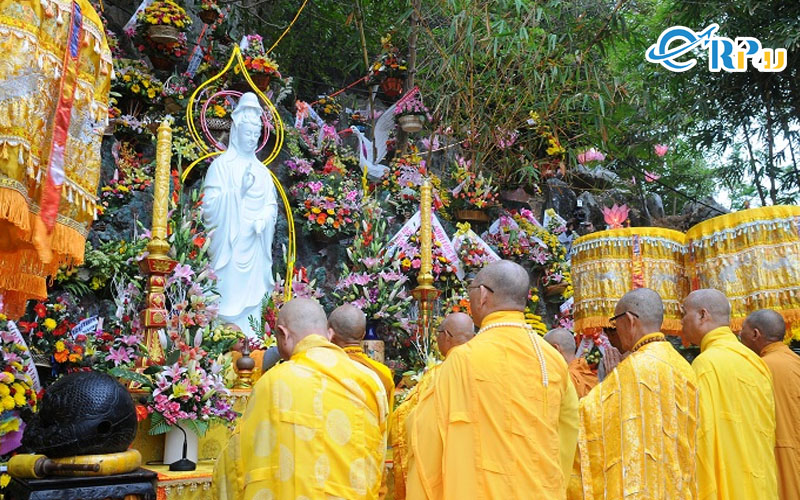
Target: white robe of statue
(239, 205)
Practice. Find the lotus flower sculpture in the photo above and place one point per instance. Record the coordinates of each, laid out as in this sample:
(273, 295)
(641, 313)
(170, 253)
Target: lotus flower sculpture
(615, 216)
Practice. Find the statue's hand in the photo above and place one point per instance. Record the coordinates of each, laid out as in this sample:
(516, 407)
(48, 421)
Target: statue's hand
(260, 225)
(249, 180)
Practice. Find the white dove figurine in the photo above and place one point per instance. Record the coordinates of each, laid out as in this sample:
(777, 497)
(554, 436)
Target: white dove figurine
(371, 159)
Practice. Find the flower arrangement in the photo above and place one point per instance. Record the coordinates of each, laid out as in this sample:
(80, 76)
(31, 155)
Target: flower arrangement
(255, 58)
(409, 255)
(17, 393)
(328, 203)
(555, 250)
(512, 242)
(133, 79)
(102, 266)
(165, 12)
(301, 288)
(133, 173)
(388, 65)
(210, 5)
(473, 256)
(47, 327)
(413, 105)
(299, 167)
(402, 180)
(328, 108)
(472, 190)
(371, 279)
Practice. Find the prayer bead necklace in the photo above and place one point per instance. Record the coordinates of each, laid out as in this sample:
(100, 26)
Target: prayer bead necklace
(644, 342)
(534, 341)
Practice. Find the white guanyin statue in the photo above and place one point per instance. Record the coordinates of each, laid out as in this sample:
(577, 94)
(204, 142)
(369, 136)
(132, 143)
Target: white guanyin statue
(240, 207)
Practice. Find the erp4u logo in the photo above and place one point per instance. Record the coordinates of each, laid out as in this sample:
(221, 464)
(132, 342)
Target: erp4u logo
(723, 53)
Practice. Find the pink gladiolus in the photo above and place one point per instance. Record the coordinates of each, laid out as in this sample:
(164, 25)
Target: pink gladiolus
(660, 149)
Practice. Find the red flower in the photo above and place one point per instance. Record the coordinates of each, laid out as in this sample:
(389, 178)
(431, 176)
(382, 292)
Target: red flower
(41, 310)
(199, 240)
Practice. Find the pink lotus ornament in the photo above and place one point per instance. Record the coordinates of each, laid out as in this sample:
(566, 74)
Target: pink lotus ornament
(615, 216)
(660, 149)
(590, 155)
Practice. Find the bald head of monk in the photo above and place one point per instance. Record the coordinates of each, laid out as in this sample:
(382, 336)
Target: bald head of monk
(298, 319)
(564, 342)
(703, 311)
(347, 325)
(638, 313)
(762, 328)
(502, 285)
(455, 329)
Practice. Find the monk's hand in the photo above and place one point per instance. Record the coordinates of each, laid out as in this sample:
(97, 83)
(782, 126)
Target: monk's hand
(611, 358)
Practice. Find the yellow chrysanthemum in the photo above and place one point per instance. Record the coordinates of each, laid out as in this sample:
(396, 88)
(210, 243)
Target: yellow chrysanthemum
(50, 324)
(7, 403)
(60, 346)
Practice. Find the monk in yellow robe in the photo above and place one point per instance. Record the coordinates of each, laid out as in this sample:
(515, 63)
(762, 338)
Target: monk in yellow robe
(736, 437)
(347, 326)
(454, 330)
(763, 332)
(315, 426)
(639, 425)
(583, 377)
(501, 419)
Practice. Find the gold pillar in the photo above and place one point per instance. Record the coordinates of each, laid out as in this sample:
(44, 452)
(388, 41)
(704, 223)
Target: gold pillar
(157, 266)
(425, 293)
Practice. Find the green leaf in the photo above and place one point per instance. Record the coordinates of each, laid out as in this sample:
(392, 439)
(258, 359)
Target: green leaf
(173, 357)
(158, 425)
(126, 374)
(152, 370)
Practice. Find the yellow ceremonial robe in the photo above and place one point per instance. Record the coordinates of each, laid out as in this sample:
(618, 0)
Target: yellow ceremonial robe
(492, 426)
(785, 367)
(315, 427)
(383, 372)
(397, 431)
(638, 429)
(736, 438)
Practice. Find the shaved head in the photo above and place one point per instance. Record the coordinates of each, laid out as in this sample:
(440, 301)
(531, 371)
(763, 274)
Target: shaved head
(762, 328)
(348, 325)
(298, 319)
(500, 286)
(703, 311)
(769, 322)
(455, 329)
(564, 342)
(647, 304)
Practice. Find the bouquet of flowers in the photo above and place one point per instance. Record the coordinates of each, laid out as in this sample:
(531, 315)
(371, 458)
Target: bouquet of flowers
(388, 65)
(512, 242)
(47, 326)
(556, 252)
(408, 253)
(301, 288)
(115, 260)
(371, 280)
(165, 12)
(210, 6)
(412, 105)
(402, 181)
(472, 190)
(328, 203)
(299, 167)
(17, 393)
(255, 58)
(133, 79)
(132, 174)
(328, 108)
(187, 388)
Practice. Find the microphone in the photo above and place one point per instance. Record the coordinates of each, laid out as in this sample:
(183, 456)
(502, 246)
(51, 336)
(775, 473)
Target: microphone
(271, 358)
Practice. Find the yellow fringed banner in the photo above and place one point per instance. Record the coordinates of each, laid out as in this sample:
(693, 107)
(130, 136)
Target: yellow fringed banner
(752, 256)
(607, 264)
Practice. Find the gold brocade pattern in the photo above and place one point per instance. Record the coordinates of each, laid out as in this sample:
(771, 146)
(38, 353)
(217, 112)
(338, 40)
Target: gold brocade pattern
(602, 272)
(33, 41)
(752, 256)
(638, 429)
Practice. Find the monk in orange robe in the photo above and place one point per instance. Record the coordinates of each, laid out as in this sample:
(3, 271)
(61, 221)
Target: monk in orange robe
(763, 332)
(501, 419)
(455, 329)
(583, 377)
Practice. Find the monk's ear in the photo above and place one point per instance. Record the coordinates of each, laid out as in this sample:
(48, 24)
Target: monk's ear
(331, 334)
(757, 335)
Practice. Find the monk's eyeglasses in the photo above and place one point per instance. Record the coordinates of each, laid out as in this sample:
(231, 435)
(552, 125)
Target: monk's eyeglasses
(478, 286)
(613, 319)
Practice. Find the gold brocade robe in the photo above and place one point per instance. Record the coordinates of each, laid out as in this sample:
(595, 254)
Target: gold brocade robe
(736, 438)
(397, 431)
(315, 427)
(638, 429)
(785, 367)
(491, 427)
(383, 372)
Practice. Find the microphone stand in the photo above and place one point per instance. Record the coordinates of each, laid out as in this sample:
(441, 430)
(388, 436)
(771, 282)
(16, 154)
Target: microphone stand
(184, 464)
